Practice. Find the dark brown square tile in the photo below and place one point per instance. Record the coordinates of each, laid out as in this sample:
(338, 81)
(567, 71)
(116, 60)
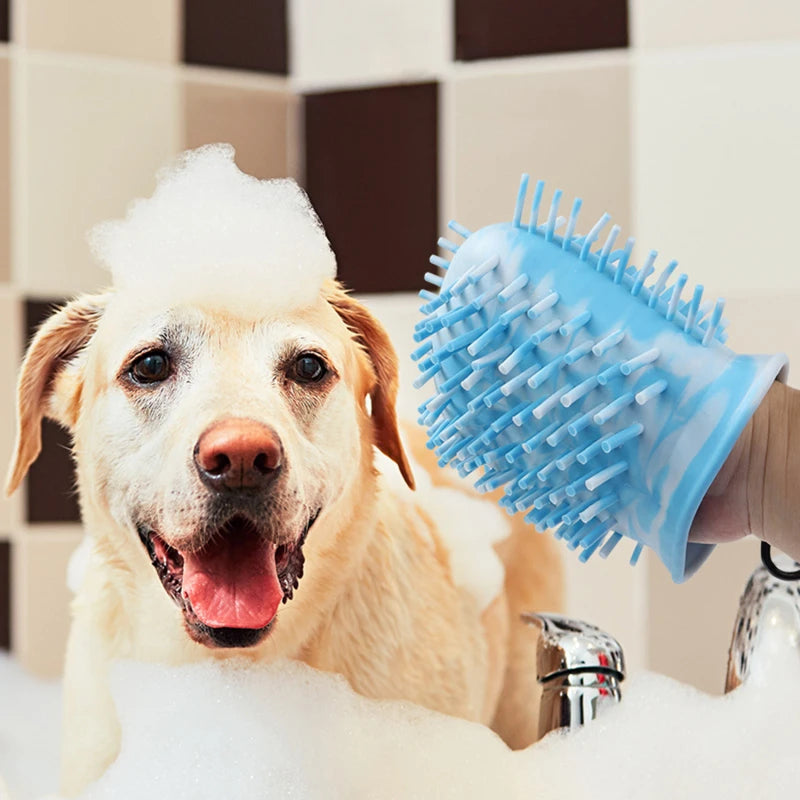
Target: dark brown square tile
(371, 173)
(5, 595)
(514, 28)
(51, 495)
(5, 21)
(246, 34)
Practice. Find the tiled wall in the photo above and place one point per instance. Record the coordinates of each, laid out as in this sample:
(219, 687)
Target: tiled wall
(679, 118)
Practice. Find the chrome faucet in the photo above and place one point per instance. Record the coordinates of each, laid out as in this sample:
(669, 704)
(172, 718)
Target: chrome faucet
(769, 604)
(580, 668)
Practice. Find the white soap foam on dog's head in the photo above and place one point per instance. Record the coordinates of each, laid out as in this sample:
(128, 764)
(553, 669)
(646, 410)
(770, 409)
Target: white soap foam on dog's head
(211, 234)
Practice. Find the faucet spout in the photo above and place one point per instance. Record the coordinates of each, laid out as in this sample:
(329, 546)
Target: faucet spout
(580, 668)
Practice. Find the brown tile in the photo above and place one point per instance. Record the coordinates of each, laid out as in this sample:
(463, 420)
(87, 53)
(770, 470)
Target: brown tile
(247, 34)
(5, 595)
(36, 312)
(513, 28)
(255, 121)
(371, 173)
(5, 21)
(51, 495)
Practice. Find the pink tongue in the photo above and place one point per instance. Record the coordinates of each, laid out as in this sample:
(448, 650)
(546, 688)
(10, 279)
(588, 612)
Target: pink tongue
(233, 583)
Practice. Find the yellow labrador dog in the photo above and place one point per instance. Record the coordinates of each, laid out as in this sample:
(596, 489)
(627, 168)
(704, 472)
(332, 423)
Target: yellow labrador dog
(226, 470)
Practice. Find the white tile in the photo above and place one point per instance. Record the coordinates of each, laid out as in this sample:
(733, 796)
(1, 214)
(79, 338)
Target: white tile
(716, 168)
(41, 599)
(690, 625)
(565, 121)
(367, 41)
(764, 322)
(88, 139)
(146, 29)
(667, 23)
(612, 594)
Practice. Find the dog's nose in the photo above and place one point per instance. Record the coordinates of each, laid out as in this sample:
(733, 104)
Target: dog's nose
(238, 454)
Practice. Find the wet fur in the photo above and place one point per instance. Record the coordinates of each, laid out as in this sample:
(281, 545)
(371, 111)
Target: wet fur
(377, 602)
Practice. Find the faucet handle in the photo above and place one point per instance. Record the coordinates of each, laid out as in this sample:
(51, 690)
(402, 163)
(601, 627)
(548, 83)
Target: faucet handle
(569, 645)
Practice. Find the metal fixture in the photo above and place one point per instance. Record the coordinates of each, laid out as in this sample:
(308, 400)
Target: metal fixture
(580, 668)
(767, 601)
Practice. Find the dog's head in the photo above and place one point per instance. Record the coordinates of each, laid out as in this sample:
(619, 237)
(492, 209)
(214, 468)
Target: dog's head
(212, 443)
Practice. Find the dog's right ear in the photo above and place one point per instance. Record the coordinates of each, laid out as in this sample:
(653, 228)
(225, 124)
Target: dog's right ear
(57, 341)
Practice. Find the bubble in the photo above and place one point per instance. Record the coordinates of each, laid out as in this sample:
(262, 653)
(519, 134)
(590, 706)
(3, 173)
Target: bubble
(211, 234)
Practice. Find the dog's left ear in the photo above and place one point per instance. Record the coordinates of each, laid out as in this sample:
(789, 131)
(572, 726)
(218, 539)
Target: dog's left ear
(372, 337)
(40, 392)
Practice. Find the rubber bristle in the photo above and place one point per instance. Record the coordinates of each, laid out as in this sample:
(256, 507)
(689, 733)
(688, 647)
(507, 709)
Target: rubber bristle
(535, 393)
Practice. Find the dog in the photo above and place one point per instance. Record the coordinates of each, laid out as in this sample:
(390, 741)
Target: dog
(227, 477)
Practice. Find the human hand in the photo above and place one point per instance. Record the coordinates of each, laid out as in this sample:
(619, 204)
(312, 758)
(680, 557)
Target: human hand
(757, 491)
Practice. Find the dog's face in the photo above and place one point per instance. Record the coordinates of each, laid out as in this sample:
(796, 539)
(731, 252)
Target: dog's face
(215, 443)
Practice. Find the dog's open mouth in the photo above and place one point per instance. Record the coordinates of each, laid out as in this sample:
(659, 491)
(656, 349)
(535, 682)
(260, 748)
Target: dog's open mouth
(230, 590)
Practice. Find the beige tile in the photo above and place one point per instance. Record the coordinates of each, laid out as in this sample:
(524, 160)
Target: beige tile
(565, 122)
(257, 122)
(10, 356)
(5, 171)
(91, 139)
(357, 42)
(689, 625)
(41, 598)
(146, 29)
(716, 170)
(667, 23)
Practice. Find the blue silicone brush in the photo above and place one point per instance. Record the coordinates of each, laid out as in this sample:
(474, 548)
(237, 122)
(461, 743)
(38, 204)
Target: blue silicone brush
(599, 394)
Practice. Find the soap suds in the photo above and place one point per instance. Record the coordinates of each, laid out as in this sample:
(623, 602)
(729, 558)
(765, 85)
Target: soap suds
(30, 716)
(222, 729)
(213, 235)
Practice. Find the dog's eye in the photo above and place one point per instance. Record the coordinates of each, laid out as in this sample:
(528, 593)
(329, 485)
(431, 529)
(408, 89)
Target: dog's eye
(309, 368)
(152, 367)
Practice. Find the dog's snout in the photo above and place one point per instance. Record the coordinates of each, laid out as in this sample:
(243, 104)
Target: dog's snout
(238, 454)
